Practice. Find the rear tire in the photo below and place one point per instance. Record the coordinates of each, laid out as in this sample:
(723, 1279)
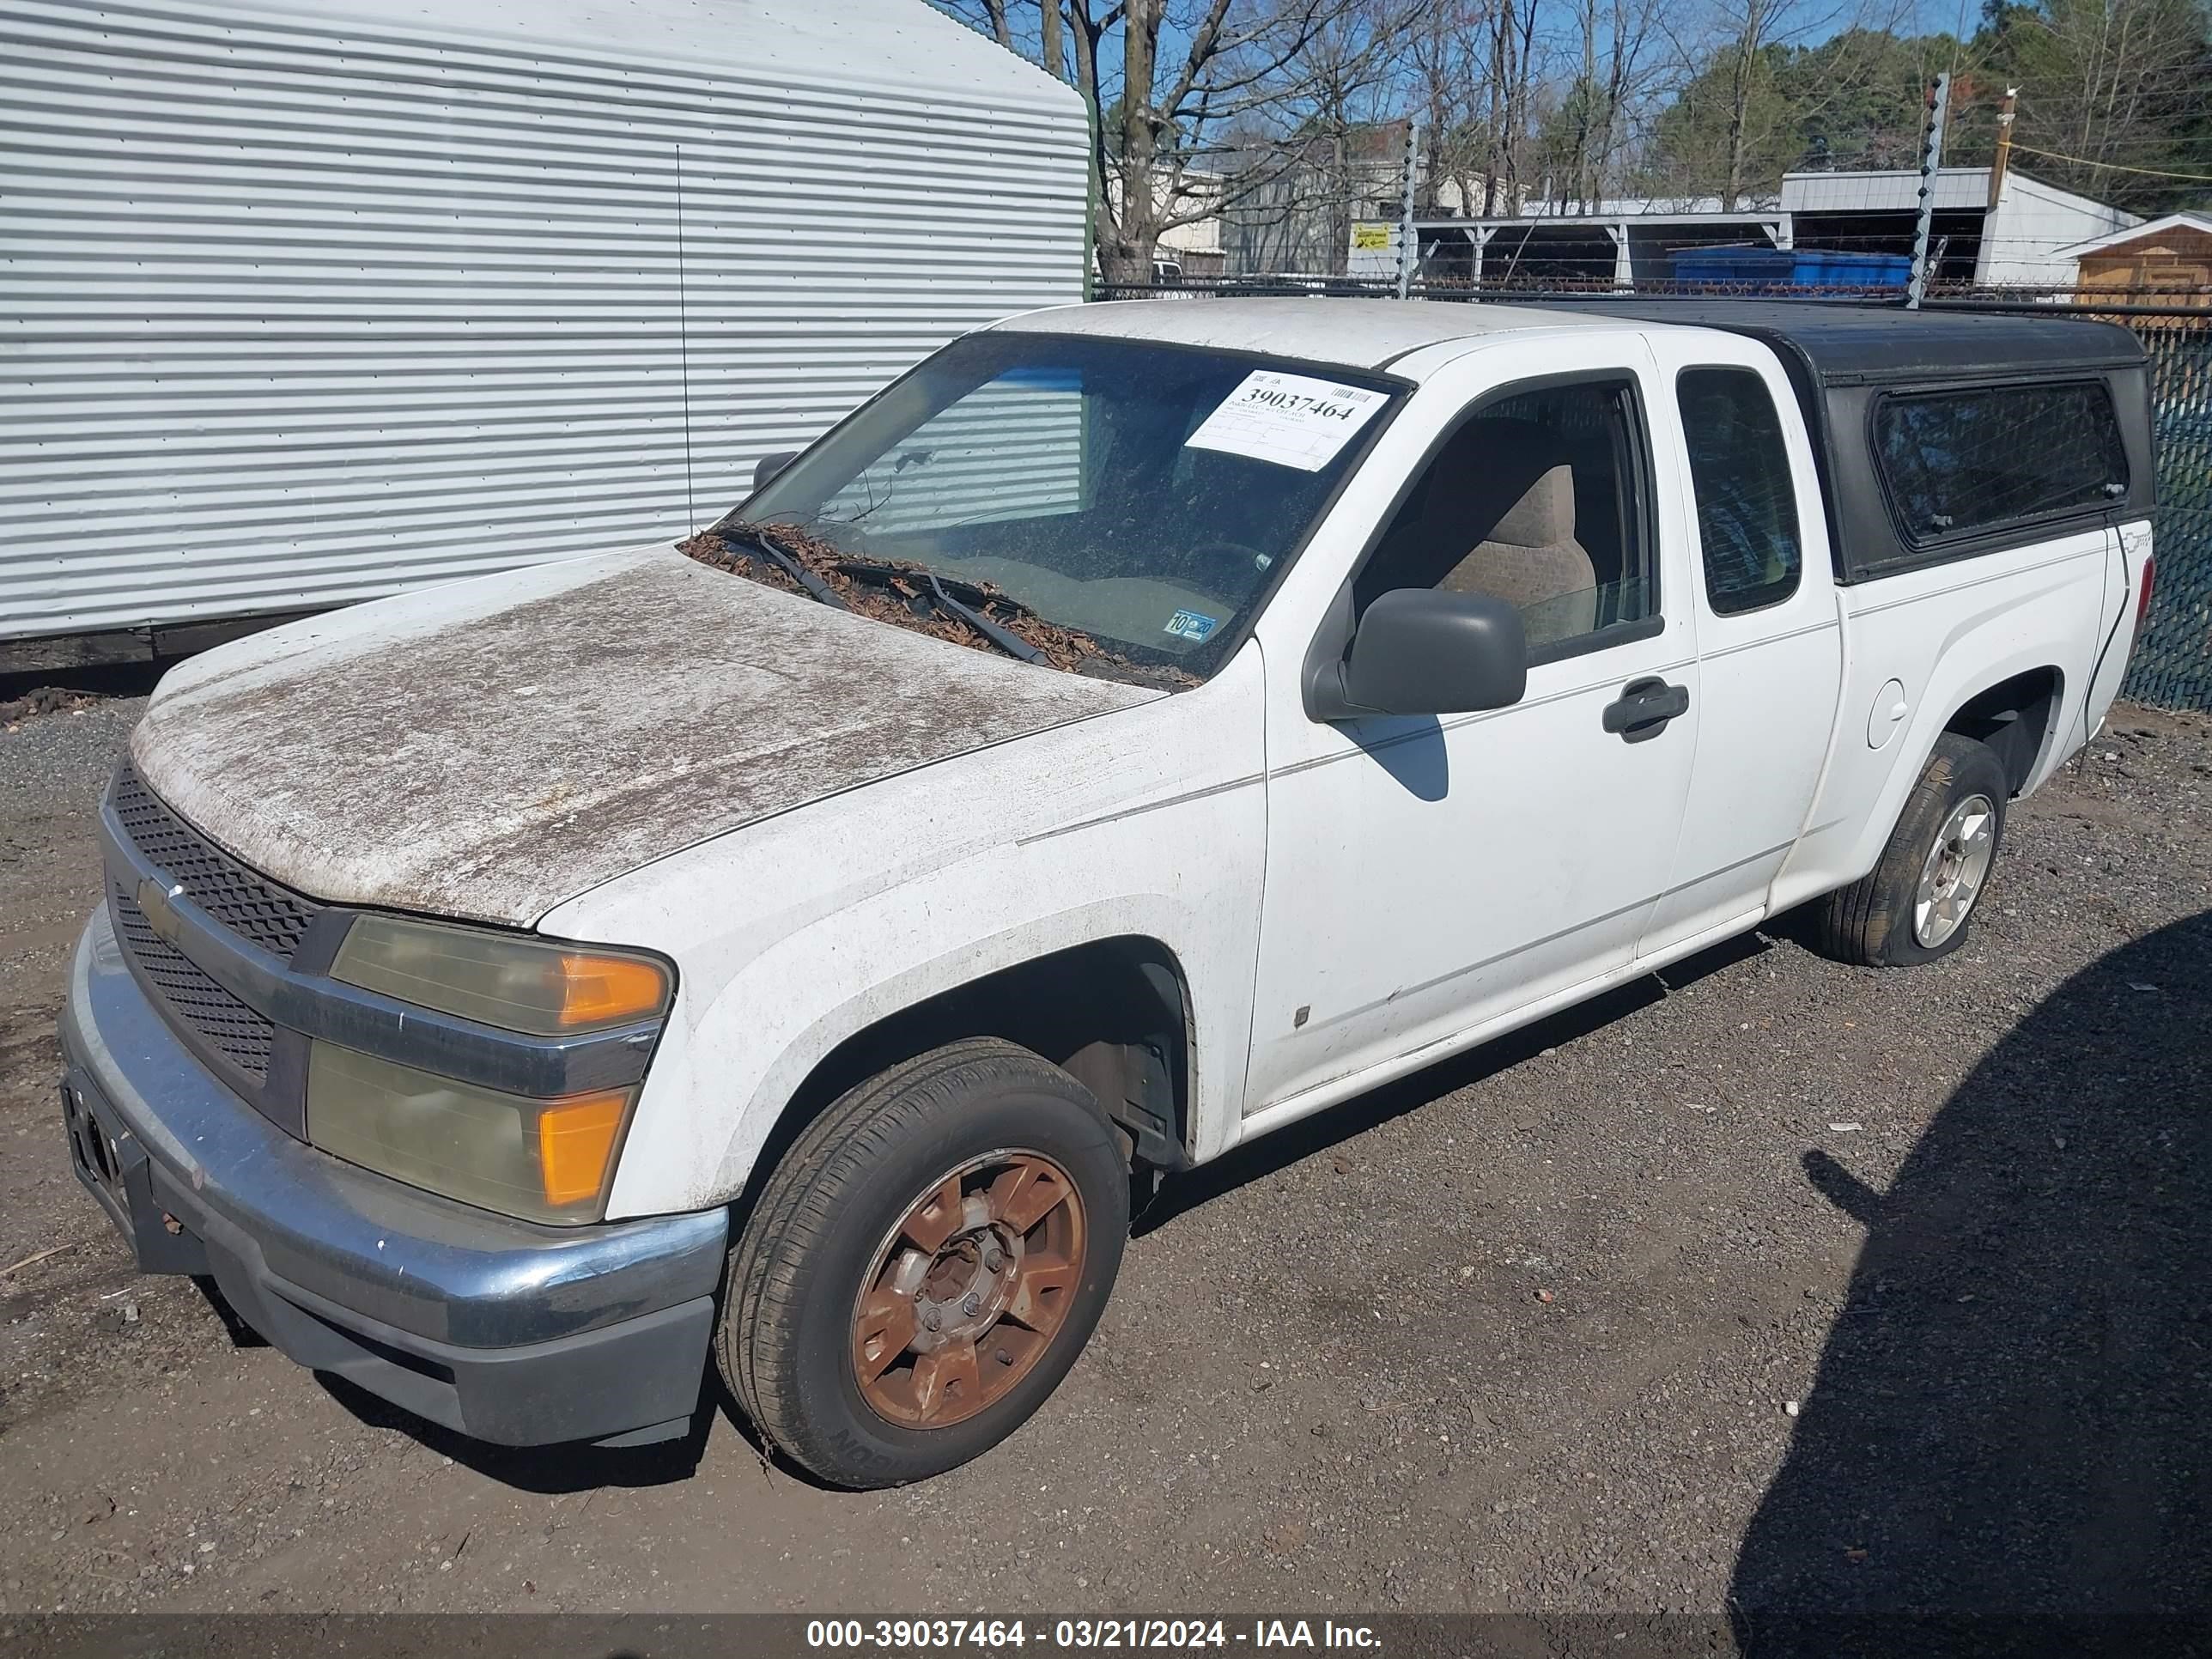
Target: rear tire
(925, 1264)
(1918, 902)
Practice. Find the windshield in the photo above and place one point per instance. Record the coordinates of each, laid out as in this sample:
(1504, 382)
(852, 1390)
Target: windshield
(1146, 495)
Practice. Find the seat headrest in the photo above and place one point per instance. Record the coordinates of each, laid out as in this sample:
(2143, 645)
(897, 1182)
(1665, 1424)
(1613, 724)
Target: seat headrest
(1545, 514)
(1521, 471)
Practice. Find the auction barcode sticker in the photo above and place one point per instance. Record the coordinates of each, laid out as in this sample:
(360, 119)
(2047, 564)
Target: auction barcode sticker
(1293, 419)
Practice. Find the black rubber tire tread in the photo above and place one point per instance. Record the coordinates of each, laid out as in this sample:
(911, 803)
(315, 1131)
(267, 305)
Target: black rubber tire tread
(1869, 924)
(797, 1214)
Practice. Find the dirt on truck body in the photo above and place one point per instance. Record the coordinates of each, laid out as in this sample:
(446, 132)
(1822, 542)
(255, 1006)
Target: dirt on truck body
(550, 734)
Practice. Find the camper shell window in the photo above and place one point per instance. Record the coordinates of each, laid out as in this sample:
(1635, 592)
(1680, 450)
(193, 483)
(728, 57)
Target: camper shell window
(1911, 412)
(1959, 463)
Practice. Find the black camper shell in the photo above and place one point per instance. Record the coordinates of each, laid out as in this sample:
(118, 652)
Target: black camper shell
(1879, 383)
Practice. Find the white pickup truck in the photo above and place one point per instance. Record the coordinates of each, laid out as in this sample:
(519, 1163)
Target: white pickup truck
(1139, 726)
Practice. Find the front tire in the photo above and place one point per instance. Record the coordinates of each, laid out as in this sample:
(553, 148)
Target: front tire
(1917, 905)
(925, 1264)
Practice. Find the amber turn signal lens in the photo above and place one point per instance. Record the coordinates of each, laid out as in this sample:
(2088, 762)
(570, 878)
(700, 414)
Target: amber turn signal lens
(607, 990)
(516, 982)
(575, 1139)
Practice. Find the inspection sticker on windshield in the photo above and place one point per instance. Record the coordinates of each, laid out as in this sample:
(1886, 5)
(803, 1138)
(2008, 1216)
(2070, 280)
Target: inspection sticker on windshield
(1190, 625)
(1293, 419)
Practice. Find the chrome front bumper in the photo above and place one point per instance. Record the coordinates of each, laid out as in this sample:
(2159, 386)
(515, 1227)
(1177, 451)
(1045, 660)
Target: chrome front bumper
(505, 1330)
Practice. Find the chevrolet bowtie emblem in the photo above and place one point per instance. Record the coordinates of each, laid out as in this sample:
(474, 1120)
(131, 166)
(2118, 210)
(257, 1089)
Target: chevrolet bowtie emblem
(160, 914)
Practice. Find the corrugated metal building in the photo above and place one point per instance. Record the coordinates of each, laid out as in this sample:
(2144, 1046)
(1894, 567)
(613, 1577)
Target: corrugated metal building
(2020, 241)
(2012, 242)
(307, 303)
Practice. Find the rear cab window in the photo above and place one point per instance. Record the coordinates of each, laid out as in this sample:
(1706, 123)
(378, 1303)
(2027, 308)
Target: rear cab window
(1746, 502)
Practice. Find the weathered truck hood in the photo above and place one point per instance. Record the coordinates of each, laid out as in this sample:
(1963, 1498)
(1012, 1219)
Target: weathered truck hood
(491, 749)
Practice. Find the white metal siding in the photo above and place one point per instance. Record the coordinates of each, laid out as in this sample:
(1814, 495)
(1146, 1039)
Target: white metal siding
(2020, 241)
(1007, 450)
(1889, 190)
(306, 309)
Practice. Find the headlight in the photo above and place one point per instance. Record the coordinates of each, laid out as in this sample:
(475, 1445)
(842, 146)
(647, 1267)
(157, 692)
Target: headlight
(541, 1160)
(539, 986)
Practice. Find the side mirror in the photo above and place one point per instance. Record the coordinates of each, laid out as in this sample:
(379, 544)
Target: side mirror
(1422, 651)
(769, 465)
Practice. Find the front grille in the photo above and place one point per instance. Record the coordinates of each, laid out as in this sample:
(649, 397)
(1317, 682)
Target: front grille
(250, 905)
(239, 1034)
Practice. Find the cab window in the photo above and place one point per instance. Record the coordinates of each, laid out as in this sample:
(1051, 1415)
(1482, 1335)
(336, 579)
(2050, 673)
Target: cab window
(1740, 474)
(1535, 499)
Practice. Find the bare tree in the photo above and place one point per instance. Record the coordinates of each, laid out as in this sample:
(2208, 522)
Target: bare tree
(1275, 73)
(1758, 17)
(2112, 94)
(1444, 45)
(1613, 73)
(1352, 124)
(1050, 52)
(1513, 78)
(1734, 125)
(1197, 105)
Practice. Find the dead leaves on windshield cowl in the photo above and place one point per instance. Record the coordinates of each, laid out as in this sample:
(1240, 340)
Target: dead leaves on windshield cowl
(900, 599)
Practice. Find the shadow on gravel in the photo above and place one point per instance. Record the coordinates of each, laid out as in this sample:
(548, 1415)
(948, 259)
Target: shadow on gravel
(112, 679)
(577, 1467)
(1355, 1117)
(241, 1335)
(2013, 1413)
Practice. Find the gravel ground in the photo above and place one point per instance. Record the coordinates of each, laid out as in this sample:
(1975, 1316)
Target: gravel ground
(1777, 1286)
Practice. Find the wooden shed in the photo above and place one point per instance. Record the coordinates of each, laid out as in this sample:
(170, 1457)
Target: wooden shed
(2166, 262)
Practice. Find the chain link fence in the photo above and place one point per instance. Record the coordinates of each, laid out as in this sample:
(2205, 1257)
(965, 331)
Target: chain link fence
(2172, 663)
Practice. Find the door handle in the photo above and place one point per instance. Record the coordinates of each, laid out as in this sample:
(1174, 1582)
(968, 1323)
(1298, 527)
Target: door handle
(1644, 708)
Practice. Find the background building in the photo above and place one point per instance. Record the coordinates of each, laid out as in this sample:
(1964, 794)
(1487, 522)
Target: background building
(2025, 239)
(2168, 261)
(2018, 241)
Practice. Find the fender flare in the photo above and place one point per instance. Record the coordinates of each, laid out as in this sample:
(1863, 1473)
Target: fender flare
(783, 1083)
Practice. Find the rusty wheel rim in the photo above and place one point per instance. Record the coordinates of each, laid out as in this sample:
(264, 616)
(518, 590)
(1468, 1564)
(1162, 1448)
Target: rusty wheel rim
(967, 1292)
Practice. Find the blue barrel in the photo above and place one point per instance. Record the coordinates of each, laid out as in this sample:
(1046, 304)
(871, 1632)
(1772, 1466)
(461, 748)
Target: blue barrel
(1779, 267)
(1735, 267)
(1813, 269)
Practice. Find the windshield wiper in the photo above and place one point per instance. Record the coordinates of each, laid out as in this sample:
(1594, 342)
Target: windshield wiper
(933, 590)
(1012, 644)
(761, 546)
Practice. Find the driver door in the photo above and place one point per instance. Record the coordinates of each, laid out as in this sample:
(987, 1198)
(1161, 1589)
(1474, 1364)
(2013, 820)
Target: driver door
(1427, 878)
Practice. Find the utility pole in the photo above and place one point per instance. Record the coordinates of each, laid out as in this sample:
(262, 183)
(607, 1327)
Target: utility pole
(2002, 159)
(1931, 163)
(1409, 243)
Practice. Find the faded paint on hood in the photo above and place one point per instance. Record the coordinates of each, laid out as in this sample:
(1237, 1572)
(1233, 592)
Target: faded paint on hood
(491, 749)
